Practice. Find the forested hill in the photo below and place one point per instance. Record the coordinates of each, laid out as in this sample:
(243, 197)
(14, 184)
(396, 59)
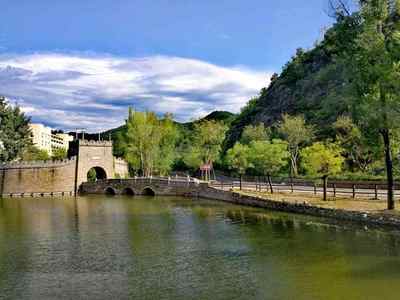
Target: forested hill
(312, 83)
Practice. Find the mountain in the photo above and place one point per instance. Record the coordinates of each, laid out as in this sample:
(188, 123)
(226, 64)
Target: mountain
(313, 83)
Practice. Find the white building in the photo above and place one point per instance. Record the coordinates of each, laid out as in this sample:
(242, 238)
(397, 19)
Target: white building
(44, 139)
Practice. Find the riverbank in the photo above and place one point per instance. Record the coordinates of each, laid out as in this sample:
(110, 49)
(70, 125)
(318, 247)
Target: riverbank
(362, 211)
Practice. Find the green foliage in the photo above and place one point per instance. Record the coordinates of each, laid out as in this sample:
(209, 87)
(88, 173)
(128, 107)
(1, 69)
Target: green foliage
(295, 131)
(322, 159)
(269, 158)
(59, 154)
(32, 153)
(314, 84)
(92, 175)
(15, 135)
(238, 158)
(149, 143)
(205, 143)
(255, 133)
(358, 153)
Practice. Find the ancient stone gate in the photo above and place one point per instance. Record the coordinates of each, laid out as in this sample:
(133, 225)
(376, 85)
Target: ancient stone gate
(61, 177)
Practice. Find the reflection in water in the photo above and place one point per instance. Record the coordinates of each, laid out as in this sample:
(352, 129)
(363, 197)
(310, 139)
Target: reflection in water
(176, 248)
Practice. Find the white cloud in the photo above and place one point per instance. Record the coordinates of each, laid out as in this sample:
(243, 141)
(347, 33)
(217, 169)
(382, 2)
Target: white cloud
(69, 91)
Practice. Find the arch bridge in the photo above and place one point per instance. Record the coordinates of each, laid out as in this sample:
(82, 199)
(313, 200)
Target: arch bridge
(144, 186)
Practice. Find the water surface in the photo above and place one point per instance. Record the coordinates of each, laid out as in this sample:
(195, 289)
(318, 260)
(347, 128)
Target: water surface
(178, 248)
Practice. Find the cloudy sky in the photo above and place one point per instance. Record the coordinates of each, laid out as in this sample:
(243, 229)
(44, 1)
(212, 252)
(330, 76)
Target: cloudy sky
(74, 63)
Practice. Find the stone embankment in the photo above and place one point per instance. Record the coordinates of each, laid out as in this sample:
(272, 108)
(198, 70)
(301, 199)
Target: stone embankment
(381, 218)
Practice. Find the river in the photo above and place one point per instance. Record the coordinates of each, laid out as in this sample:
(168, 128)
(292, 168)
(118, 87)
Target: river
(178, 248)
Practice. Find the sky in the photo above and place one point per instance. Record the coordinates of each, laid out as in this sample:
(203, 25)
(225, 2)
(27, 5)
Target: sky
(74, 63)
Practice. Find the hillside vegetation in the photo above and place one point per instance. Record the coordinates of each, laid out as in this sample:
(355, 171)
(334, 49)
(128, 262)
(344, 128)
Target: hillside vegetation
(313, 83)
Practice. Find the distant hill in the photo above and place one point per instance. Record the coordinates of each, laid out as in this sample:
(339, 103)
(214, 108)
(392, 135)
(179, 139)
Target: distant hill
(221, 116)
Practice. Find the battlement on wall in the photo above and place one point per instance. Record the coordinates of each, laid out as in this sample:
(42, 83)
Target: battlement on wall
(37, 164)
(95, 143)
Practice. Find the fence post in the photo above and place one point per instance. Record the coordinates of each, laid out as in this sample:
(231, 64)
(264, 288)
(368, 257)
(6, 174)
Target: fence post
(325, 179)
(376, 192)
(354, 191)
(315, 189)
(240, 183)
(334, 190)
(291, 187)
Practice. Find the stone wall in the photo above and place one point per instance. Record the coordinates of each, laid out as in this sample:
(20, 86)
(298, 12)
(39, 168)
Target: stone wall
(17, 179)
(301, 208)
(37, 177)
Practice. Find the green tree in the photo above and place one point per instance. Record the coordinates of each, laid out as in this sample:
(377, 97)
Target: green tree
(238, 158)
(357, 151)
(255, 133)
(205, 144)
(167, 146)
(373, 62)
(321, 159)
(15, 135)
(59, 154)
(295, 131)
(32, 153)
(269, 158)
(149, 143)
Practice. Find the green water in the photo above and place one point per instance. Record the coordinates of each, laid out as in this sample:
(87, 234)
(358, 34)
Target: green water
(176, 248)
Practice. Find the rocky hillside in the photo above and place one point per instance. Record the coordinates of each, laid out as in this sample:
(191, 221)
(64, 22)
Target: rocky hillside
(313, 83)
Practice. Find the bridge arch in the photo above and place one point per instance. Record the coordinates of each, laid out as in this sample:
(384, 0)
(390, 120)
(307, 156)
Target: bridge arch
(96, 173)
(109, 191)
(128, 192)
(148, 191)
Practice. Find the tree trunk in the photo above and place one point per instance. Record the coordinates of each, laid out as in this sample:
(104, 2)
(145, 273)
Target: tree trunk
(325, 180)
(293, 163)
(389, 168)
(270, 183)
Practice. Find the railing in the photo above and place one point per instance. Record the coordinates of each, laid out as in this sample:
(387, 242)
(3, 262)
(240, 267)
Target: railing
(163, 179)
(335, 189)
(39, 194)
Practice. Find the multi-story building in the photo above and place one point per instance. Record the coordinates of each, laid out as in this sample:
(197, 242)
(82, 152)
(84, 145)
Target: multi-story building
(44, 138)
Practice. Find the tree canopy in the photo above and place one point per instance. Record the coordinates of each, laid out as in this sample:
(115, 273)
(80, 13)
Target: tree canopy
(15, 135)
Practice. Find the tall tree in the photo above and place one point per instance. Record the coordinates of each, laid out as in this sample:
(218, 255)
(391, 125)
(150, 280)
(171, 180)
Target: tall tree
(357, 151)
(269, 158)
(149, 142)
(238, 158)
(297, 133)
(15, 134)
(255, 133)
(321, 159)
(206, 143)
(373, 62)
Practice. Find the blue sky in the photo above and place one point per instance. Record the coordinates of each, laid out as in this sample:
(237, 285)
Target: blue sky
(82, 63)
